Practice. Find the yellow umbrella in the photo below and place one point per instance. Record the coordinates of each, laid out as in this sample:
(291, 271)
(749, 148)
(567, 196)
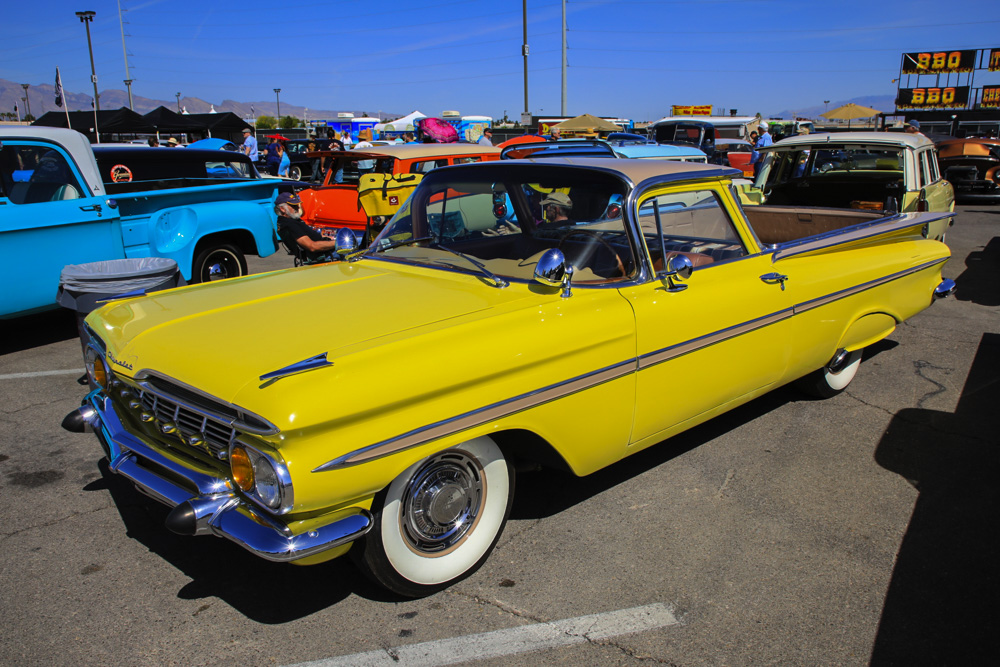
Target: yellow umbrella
(849, 112)
(586, 123)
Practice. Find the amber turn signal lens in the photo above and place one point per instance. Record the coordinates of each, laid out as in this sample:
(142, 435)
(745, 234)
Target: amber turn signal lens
(242, 468)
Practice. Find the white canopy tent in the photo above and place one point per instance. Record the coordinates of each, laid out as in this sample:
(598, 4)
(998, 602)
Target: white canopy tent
(404, 124)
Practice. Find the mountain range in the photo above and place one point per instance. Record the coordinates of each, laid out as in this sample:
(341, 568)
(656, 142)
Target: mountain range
(41, 99)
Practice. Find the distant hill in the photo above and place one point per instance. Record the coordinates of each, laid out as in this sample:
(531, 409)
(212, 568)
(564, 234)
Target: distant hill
(886, 103)
(41, 99)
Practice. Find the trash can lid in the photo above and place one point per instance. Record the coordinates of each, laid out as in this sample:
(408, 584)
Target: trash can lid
(100, 275)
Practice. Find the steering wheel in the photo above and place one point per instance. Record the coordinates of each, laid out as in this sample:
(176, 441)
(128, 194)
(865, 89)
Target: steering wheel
(599, 239)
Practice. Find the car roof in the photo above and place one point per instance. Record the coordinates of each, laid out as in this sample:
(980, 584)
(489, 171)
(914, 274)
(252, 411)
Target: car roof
(414, 151)
(76, 144)
(658, 150)
(898, 139)
(634, 170)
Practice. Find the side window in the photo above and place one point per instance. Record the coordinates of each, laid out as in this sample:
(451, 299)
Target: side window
(427, 165)
(693, 223)
(932, 164)
(924, 169)
(467, 159)
(35, 174)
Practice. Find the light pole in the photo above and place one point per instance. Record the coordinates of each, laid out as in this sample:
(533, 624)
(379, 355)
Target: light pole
(26, 102)
(277, 97)
(826, 105)
(86, 18)
(178, 96)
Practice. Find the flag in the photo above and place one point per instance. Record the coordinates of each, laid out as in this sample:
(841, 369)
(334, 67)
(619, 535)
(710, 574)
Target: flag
(59, 89)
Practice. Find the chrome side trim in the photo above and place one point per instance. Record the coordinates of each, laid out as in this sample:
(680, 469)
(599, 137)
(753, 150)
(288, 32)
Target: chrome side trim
(480, 416)
(680, 349)
(528, 400)
(844, 293)
(861, 231)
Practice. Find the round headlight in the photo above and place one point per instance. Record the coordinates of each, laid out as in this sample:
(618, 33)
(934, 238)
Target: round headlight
(242, 468)
(266, 478)
(97, 370)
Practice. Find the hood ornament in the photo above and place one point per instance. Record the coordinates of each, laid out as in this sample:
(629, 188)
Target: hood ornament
(312, 363)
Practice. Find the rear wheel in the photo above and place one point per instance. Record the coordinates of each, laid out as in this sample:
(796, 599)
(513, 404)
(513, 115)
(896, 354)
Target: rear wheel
(218, 262)
(295, 172)
(832, 379)
(437, 522)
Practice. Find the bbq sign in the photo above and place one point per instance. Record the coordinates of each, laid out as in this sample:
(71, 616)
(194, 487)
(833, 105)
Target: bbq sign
(939, 62)
(951, 97)
(990, 97)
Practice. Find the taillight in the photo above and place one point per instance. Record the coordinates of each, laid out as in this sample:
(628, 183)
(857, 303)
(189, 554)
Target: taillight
(614, 211)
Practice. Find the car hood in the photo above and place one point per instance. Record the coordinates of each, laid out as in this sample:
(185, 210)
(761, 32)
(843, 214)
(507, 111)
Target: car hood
(222, 337)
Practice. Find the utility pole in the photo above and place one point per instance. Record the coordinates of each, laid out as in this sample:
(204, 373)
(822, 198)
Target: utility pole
(277, 97)
(524, 51)
(563, 107)
(178, 95)
(128, 77)
(86, 18)
(27, 103)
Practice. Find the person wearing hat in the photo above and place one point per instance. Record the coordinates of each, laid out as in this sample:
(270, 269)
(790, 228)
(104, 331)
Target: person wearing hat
(172, 142)
(365, 141)
(913, 127)
(292, 229)
(556, 207)
(249, 147)
(763, 140)
(487, 138)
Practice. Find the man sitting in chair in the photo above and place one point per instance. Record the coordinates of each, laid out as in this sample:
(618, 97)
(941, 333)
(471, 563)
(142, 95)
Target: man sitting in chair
(311, 244)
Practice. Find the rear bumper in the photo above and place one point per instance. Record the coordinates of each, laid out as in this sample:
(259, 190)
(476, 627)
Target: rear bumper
(205, 504)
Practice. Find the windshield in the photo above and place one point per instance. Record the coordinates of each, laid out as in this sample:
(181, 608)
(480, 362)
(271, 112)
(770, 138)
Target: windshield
(832, 162)
(504, 218)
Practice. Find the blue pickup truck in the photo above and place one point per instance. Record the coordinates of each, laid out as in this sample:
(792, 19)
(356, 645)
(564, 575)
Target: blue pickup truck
(65, 202)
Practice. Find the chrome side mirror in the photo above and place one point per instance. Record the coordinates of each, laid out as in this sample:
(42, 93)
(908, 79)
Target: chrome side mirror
(553, 270)
(679, 266)
(346, 242)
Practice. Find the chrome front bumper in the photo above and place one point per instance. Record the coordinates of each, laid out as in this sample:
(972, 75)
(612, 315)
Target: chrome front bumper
(205, 504)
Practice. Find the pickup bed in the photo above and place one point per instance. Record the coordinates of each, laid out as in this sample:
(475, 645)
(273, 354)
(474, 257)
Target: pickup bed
(64, 202)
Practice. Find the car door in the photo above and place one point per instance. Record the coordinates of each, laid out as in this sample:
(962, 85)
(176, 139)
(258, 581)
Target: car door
(708, 341)
(48, 219)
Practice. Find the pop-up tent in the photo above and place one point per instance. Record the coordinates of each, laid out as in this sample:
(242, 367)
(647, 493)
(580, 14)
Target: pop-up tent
(586, 123)
(404, 124)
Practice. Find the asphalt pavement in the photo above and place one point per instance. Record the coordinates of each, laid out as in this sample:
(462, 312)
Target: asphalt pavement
(856, 530)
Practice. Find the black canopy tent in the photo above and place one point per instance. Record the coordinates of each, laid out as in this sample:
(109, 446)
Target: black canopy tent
(119, 121)
(225, 125)
(166, 121)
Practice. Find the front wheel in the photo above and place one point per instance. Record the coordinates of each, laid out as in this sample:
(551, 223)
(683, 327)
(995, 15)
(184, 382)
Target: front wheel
(295, 172)
(438, 521)
(217, 263)
(829, 381)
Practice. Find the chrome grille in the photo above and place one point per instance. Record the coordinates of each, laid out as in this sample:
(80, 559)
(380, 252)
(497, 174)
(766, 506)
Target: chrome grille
(214, 433)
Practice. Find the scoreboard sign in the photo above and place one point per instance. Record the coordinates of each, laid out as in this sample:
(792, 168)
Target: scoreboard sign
(939, 62)
(990, 97)
(951, 97)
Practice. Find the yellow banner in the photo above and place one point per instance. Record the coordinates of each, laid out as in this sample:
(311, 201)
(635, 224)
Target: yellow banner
(700, 110)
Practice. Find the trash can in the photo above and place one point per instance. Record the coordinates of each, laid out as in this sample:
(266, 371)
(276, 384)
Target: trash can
(84, 287)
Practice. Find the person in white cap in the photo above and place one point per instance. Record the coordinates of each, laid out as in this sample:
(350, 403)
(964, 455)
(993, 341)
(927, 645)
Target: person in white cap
(763, 140)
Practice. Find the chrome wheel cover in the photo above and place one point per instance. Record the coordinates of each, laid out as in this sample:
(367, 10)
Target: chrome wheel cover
(442, 502)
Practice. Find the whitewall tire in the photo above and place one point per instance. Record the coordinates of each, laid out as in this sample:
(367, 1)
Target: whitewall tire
(438, 521)
(831, 380)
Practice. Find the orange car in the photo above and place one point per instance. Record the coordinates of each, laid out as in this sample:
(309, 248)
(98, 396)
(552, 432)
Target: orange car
(335, 204)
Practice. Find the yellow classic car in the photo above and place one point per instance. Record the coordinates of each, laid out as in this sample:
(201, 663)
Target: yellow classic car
(511, 313)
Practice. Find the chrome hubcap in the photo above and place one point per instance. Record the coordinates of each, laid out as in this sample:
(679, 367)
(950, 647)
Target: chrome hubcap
(442, 502)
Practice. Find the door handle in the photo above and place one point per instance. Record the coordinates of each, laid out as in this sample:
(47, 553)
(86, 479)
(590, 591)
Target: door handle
(94, 207)
(775, 278)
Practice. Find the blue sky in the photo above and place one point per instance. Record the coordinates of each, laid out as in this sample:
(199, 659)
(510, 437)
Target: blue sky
(628, 59)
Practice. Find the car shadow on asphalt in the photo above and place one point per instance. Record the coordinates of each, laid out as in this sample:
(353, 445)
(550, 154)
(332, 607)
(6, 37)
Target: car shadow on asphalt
(31, 331)
(940, 607)
(980, 281)
(265, 592)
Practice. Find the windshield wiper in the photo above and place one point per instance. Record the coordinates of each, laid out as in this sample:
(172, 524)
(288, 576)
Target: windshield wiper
(400, 244)
(497, 280)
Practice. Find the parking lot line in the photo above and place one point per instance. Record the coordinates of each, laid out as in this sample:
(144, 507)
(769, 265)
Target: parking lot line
(511, 641)
(18, 376)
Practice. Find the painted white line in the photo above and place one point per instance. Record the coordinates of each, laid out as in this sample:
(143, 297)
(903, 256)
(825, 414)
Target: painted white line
(500, 643)
(36, 374)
